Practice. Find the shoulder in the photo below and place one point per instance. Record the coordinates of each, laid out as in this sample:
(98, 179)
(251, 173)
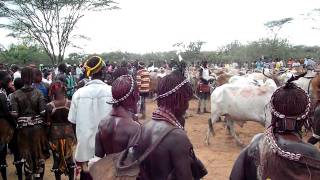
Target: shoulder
(303, 148)
(37, 92)
(106, 125)
(178, 136)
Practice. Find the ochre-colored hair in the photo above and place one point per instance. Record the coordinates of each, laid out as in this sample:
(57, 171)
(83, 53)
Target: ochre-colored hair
(121, 87)
(55, 88)
(168, 83)
(119, 72)
(292, 102)
(27, 75)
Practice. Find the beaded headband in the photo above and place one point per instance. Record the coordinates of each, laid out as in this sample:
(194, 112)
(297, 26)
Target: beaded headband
(172, 90)
(302, 116)
(115, 101)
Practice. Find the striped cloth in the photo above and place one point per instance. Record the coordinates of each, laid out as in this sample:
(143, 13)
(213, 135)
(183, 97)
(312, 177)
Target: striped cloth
(143, 81)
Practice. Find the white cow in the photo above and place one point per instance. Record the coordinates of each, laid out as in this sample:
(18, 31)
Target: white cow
(305, 82)
(241, 103)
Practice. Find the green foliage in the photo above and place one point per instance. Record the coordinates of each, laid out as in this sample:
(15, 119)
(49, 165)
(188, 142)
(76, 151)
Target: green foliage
(190, 51)
(278, 23)
(24, 55)
(232, 52)
(49, 23)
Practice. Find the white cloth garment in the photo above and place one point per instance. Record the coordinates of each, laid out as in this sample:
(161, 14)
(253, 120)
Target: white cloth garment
(16, 75)
(88, 107)
(205, 73)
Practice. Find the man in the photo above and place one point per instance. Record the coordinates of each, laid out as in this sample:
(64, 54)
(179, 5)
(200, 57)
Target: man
(281, 153)
(143, 81)
(16, 71)
(40, 85)
(118, 128)
(173, 157)
(61, 75)
(203, 87)
(88, 108)
(70, 82)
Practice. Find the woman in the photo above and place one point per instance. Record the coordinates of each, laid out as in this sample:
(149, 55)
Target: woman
(28, 106)
(116, 130)
(6, 122)
(281, 153)
(61, 134)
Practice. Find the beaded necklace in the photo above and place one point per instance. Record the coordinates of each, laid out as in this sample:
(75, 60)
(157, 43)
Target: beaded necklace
(162, 114)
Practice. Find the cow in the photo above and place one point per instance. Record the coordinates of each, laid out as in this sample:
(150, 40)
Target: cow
(240, 103)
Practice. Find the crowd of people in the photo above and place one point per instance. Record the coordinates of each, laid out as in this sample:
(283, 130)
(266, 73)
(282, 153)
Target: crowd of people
(95, 108)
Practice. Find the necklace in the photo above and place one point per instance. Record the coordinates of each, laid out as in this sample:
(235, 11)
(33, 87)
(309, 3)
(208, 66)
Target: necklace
(164, 115)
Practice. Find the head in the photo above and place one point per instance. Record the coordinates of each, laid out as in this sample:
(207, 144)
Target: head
(14, 68)
(141, 65)
(5, 79)
(69, 70)
(205, 64)
(124, 87)
(46, 73)
(62, 68)
(290, 108)
(94, 67)
(27, 75)
(57, 90)
(37, 76)
(18, 83)
(119, 72)
(178, 101)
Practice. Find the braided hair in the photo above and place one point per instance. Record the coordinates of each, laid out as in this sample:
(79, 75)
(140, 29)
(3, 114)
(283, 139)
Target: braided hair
(177, 101)
(121, 88)
(290, 106)
(27, 75)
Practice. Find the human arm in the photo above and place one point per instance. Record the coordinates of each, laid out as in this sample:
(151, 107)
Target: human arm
(73, 110)
(14, 106)
(41, 104)
(238, 170)
(5, 109)
(245, 166)
(180, 155)
(48, 114)
(99, 149)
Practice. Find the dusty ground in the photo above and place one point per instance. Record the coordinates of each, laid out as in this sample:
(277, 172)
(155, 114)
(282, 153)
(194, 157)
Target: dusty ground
(218, 157)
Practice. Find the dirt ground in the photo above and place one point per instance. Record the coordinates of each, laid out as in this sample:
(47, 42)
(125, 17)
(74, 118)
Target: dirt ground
(218, 157)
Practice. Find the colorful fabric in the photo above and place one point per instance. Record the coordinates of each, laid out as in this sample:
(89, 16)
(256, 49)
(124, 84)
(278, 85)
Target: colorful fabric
(33, 147)
(71, 84)
(42, 88)
(62, 150)
(143, 81)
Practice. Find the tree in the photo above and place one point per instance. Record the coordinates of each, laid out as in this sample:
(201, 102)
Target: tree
(190, 51)
(275, 27)
(49, 23)
(24, 54)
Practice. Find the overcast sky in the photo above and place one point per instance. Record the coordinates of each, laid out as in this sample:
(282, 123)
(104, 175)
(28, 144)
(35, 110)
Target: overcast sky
(155, 25)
